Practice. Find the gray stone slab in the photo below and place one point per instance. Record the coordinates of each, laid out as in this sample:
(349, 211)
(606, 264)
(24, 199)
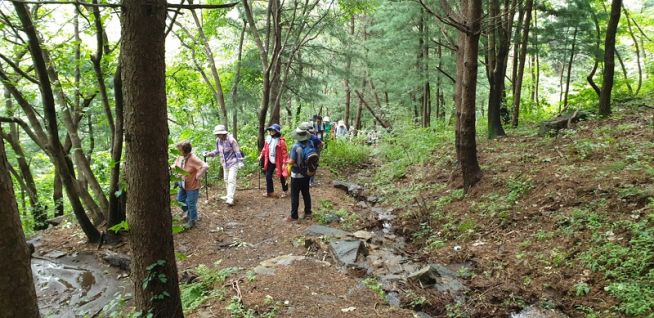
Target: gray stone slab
(346, 252)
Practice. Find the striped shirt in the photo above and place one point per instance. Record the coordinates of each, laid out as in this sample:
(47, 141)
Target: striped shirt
(229, 151)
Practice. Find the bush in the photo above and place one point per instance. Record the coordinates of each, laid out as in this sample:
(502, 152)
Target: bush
(342, 154)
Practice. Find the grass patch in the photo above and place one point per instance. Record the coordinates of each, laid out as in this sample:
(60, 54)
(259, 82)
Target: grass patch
(340, 155)
(628, 266)
(207, 286)
(327, 213)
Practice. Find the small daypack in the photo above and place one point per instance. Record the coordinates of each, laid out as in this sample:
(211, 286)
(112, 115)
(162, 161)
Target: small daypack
(309, 164)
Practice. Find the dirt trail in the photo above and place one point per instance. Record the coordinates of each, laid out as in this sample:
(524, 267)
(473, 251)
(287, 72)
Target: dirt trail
(254, 230)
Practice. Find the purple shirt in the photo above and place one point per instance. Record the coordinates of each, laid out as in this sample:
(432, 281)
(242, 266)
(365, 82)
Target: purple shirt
(229, 151)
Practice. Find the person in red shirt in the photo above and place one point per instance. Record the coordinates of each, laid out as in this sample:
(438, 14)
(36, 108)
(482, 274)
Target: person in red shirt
(189, 189)
(275, 156)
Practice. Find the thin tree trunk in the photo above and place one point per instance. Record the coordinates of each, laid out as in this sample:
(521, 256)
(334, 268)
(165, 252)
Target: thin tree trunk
(17, 292)
(146, 154)
(377, 118)
(218, 89)
(348, 74)
(598, 39)
(237, 79)
(58, 194)
(624, 72)
(609, 62)
(517, 82)
(537, 77)
(116, 211)
(47, 98)
(637, 48)
(567, 81)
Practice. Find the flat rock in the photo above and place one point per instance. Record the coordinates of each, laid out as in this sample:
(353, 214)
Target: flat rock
(352, 189)
(362, 204)
(441, 278)
(55, 254)
(267, 267)
(321, 230)
(363, 235)
(56, 220)
(537, 312)
(114, 259)
(346, 252)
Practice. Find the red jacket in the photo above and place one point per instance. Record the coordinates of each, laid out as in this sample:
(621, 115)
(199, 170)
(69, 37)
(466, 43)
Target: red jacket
(281, 157)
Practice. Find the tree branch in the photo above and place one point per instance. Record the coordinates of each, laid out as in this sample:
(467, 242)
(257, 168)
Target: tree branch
(117, 5)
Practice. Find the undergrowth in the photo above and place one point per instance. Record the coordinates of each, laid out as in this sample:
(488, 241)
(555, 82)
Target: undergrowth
(341, 155)
(208, 285)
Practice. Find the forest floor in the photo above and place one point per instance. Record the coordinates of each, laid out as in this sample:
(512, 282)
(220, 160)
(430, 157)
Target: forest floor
(550, 218)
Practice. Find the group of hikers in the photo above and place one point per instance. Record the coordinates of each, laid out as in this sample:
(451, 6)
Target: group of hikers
(300, 164)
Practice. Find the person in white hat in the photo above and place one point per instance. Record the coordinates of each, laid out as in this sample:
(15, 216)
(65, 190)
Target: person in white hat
(341, 130)
(299, 181)
(230, 157)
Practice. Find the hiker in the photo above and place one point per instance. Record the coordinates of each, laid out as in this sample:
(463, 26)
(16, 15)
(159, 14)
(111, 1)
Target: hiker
(189, 187)
(318, 126)
(317, 144)
(275, 156)
(230, 157)
(341, 130)
(328, 131)
(303, 162)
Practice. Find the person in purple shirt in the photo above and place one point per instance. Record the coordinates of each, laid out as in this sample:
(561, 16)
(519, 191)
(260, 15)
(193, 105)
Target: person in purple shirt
(230, 157)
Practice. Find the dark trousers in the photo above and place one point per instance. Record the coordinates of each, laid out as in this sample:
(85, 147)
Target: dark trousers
(270, 174)
(300, 185)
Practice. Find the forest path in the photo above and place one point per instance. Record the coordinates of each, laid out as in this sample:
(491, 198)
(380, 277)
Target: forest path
(254, 230)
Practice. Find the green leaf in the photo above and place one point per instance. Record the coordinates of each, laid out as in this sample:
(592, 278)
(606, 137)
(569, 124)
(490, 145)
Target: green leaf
(122, 226)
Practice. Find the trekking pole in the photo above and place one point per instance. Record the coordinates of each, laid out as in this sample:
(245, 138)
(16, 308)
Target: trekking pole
(206, 181)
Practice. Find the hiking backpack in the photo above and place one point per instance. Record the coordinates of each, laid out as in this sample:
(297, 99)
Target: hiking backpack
(309, 164)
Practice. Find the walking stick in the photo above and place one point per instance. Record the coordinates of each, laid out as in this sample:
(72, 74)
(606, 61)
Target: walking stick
(206, 181)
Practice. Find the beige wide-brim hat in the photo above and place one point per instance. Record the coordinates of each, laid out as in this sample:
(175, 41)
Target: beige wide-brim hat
(219, 130)
(301, 134)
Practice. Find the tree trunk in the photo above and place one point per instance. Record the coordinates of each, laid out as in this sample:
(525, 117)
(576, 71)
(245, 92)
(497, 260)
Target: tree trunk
(609, 63)
(357, 121)
(637, 48)
(142, 60)
(598, 35)
(517, 82)
(466, 93)
(537, 73)
(237, 79)
(116, 213)
(348, 74)
(58, 194)
(567, 81)
(499, 68)
(624, 72)
(57, 151)
(17, 292)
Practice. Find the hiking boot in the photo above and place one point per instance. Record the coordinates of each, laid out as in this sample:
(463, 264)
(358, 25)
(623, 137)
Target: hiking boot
(307, 216)
(290, 219)
(188, 225)
(229, 202)
(224, 198)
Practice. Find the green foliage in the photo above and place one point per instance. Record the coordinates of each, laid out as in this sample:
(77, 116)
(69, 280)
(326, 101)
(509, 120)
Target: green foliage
(372, 283)
(326, 214)
(208, 285)
(342, 155)
(627, 265)
(582, 289)
(122, 226)
(270, 309)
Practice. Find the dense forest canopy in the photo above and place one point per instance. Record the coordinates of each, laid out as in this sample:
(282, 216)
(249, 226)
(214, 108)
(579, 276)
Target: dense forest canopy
(473, 68)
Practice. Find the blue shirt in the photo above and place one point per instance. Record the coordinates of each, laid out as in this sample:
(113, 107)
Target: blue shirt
(296, 155)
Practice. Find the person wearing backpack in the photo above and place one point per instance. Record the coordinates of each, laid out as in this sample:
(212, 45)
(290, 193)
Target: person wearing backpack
(303, 164)
(230, 157)
(274, 156)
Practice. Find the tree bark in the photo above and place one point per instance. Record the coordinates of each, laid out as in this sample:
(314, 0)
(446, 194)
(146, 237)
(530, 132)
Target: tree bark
(624, 72)
(598, 35)
(348, 74)
(47, 98)
(498, 71)
(466, 94)
(567, 81)
(609, 63)
(237, 79)
(142, 60)
(17, 292)
(637, 48)
(116, 212)
(517, 94)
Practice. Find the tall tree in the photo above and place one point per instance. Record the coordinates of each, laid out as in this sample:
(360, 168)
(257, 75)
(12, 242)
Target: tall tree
(499, 42)
(142, 63)
(524, 42)
(17, 293)
(609, 62)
